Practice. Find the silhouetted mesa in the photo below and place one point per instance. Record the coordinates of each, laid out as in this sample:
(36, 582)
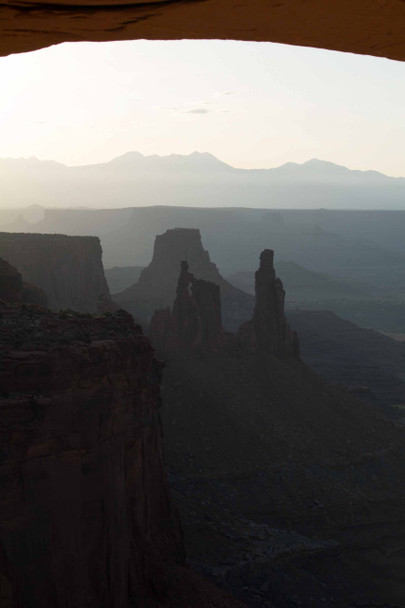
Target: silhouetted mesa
(268, 329)
(156, 287)
(13, 289)
(69, 269)
(196, 317)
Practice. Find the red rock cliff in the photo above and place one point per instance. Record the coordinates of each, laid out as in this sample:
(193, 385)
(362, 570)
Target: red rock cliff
(86, 519)
(84, 505)
(68, 269)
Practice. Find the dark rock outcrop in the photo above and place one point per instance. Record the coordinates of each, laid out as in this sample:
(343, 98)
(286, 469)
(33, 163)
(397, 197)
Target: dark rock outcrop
(68, 269)
(85, 513)
(156, 287)
(195, 321)
(268, 329)
(13, 289)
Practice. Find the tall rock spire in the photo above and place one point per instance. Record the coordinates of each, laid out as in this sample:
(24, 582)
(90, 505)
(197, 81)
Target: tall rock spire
(268, 329)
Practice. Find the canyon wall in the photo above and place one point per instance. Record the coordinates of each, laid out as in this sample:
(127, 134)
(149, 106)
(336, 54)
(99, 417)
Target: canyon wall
(85, 513)
(85, 506)
(68, 269)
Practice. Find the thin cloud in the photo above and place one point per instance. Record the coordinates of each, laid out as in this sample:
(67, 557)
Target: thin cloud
(197, 111)
(194, 107)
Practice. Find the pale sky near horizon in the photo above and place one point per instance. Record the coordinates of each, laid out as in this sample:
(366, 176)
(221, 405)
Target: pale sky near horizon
(253, 105)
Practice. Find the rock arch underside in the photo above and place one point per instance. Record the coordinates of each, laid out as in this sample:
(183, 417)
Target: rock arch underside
(369, 27)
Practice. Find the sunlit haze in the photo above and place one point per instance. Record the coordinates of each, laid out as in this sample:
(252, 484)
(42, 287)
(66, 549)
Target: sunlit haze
(250, 104)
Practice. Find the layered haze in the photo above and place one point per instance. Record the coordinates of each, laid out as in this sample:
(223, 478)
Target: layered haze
(197, 179)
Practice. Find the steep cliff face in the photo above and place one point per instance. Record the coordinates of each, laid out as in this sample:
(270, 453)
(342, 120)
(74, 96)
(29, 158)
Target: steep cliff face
(195, 321)
(13, 289)
(268, 329)
(85, 513)
(156, 287)
(68, 269)
(85, 502)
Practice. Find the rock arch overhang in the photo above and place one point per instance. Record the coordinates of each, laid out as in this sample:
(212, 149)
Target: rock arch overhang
(369, 27)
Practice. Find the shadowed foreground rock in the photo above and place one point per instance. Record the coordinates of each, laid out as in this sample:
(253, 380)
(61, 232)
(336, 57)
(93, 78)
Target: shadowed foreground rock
(85, 513)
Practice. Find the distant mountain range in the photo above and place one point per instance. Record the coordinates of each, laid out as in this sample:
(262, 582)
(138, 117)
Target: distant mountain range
(198, 179)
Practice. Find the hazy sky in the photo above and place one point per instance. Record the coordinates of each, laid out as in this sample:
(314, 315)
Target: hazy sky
(249, 104)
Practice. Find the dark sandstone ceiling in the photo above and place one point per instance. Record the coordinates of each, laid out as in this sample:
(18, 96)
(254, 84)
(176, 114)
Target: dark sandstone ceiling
(372, 27)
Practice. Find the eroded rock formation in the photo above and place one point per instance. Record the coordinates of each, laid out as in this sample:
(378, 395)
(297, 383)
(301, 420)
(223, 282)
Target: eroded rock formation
(68, 269)
(195, 321)
(268, 329)
(13, 289)
(156, 287)
(85, 513)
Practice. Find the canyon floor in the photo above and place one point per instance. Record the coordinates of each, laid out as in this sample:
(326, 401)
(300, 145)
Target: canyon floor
(290, 491)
